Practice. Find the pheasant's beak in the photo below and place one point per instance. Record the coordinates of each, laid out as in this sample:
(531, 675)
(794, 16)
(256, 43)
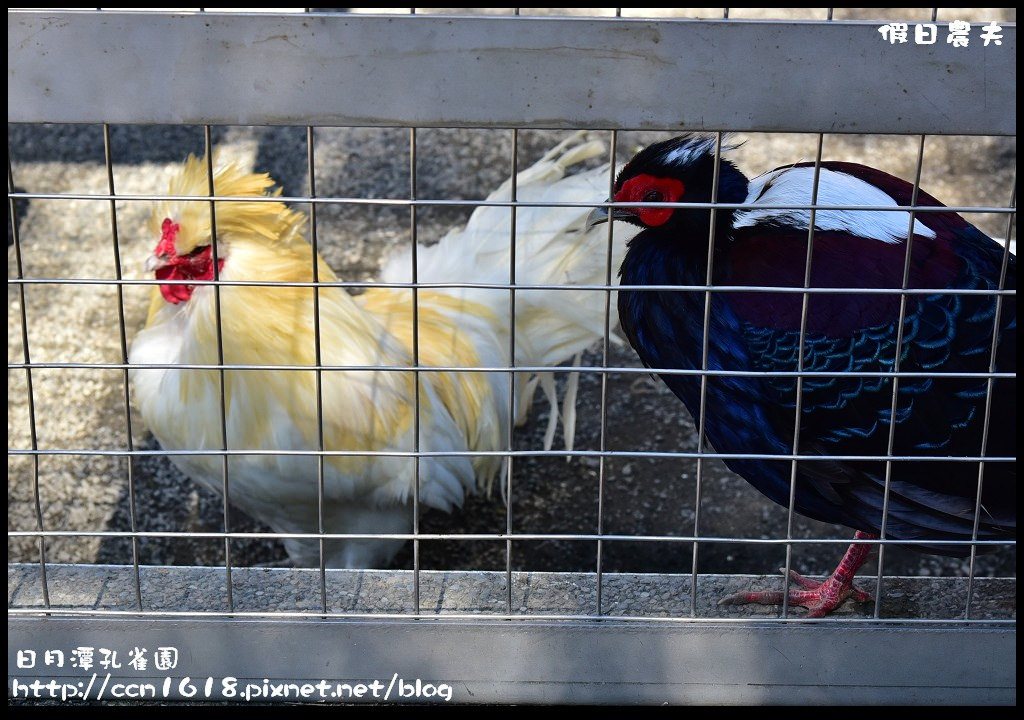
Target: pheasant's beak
(601, 215)
(596, 217)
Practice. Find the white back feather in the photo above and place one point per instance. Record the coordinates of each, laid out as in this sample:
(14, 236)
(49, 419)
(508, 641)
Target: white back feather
(794, 186)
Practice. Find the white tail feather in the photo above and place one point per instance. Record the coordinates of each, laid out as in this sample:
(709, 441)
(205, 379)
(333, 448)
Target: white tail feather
(552, 248)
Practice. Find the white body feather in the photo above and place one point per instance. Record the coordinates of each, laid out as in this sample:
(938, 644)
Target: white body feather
(372, 410)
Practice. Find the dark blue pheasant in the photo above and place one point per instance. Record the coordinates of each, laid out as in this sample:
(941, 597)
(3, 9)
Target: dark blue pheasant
(847, 406)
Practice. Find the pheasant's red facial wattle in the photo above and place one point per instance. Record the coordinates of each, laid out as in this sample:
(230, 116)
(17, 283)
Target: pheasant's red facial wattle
(196, 265)
(647, 189)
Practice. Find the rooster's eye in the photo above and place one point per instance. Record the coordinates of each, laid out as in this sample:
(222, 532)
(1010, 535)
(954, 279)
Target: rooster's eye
(653, 196)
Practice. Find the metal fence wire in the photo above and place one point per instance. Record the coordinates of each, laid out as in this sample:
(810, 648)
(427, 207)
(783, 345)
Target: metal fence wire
(592, 568)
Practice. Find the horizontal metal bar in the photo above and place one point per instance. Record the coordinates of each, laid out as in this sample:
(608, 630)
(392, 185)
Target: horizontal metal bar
(163, 452)
(420, 70)
(526, 660)
(518, 287)
(420, 202)
(522, 369)
(499, 537)
(847, 623)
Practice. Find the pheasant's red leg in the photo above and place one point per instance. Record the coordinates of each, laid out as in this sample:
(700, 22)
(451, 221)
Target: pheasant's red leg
(820, 598)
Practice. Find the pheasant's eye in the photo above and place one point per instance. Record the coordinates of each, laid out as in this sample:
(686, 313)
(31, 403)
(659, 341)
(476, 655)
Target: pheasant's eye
(650, 189)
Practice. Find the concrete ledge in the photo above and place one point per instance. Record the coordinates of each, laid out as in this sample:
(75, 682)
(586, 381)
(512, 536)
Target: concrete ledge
(358, 592)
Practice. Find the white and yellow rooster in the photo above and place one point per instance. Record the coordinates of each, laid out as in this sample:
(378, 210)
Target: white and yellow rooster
(367, 409)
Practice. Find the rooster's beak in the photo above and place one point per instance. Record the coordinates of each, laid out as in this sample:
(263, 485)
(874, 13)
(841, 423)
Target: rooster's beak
(154, 263)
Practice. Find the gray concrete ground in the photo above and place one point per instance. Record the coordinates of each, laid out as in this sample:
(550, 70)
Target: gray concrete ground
(478, 593)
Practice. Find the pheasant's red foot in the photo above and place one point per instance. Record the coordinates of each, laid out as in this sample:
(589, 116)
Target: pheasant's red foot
(820, 598)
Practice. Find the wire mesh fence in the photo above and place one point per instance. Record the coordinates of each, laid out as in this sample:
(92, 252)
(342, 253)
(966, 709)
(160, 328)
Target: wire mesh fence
(638, 521)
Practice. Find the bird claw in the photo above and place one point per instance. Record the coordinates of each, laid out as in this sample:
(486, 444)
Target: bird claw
(768, 597)
(819, 597)
(852, 590)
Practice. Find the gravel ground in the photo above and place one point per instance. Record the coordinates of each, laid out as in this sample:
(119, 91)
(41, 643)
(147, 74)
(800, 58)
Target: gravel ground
(86, 408)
